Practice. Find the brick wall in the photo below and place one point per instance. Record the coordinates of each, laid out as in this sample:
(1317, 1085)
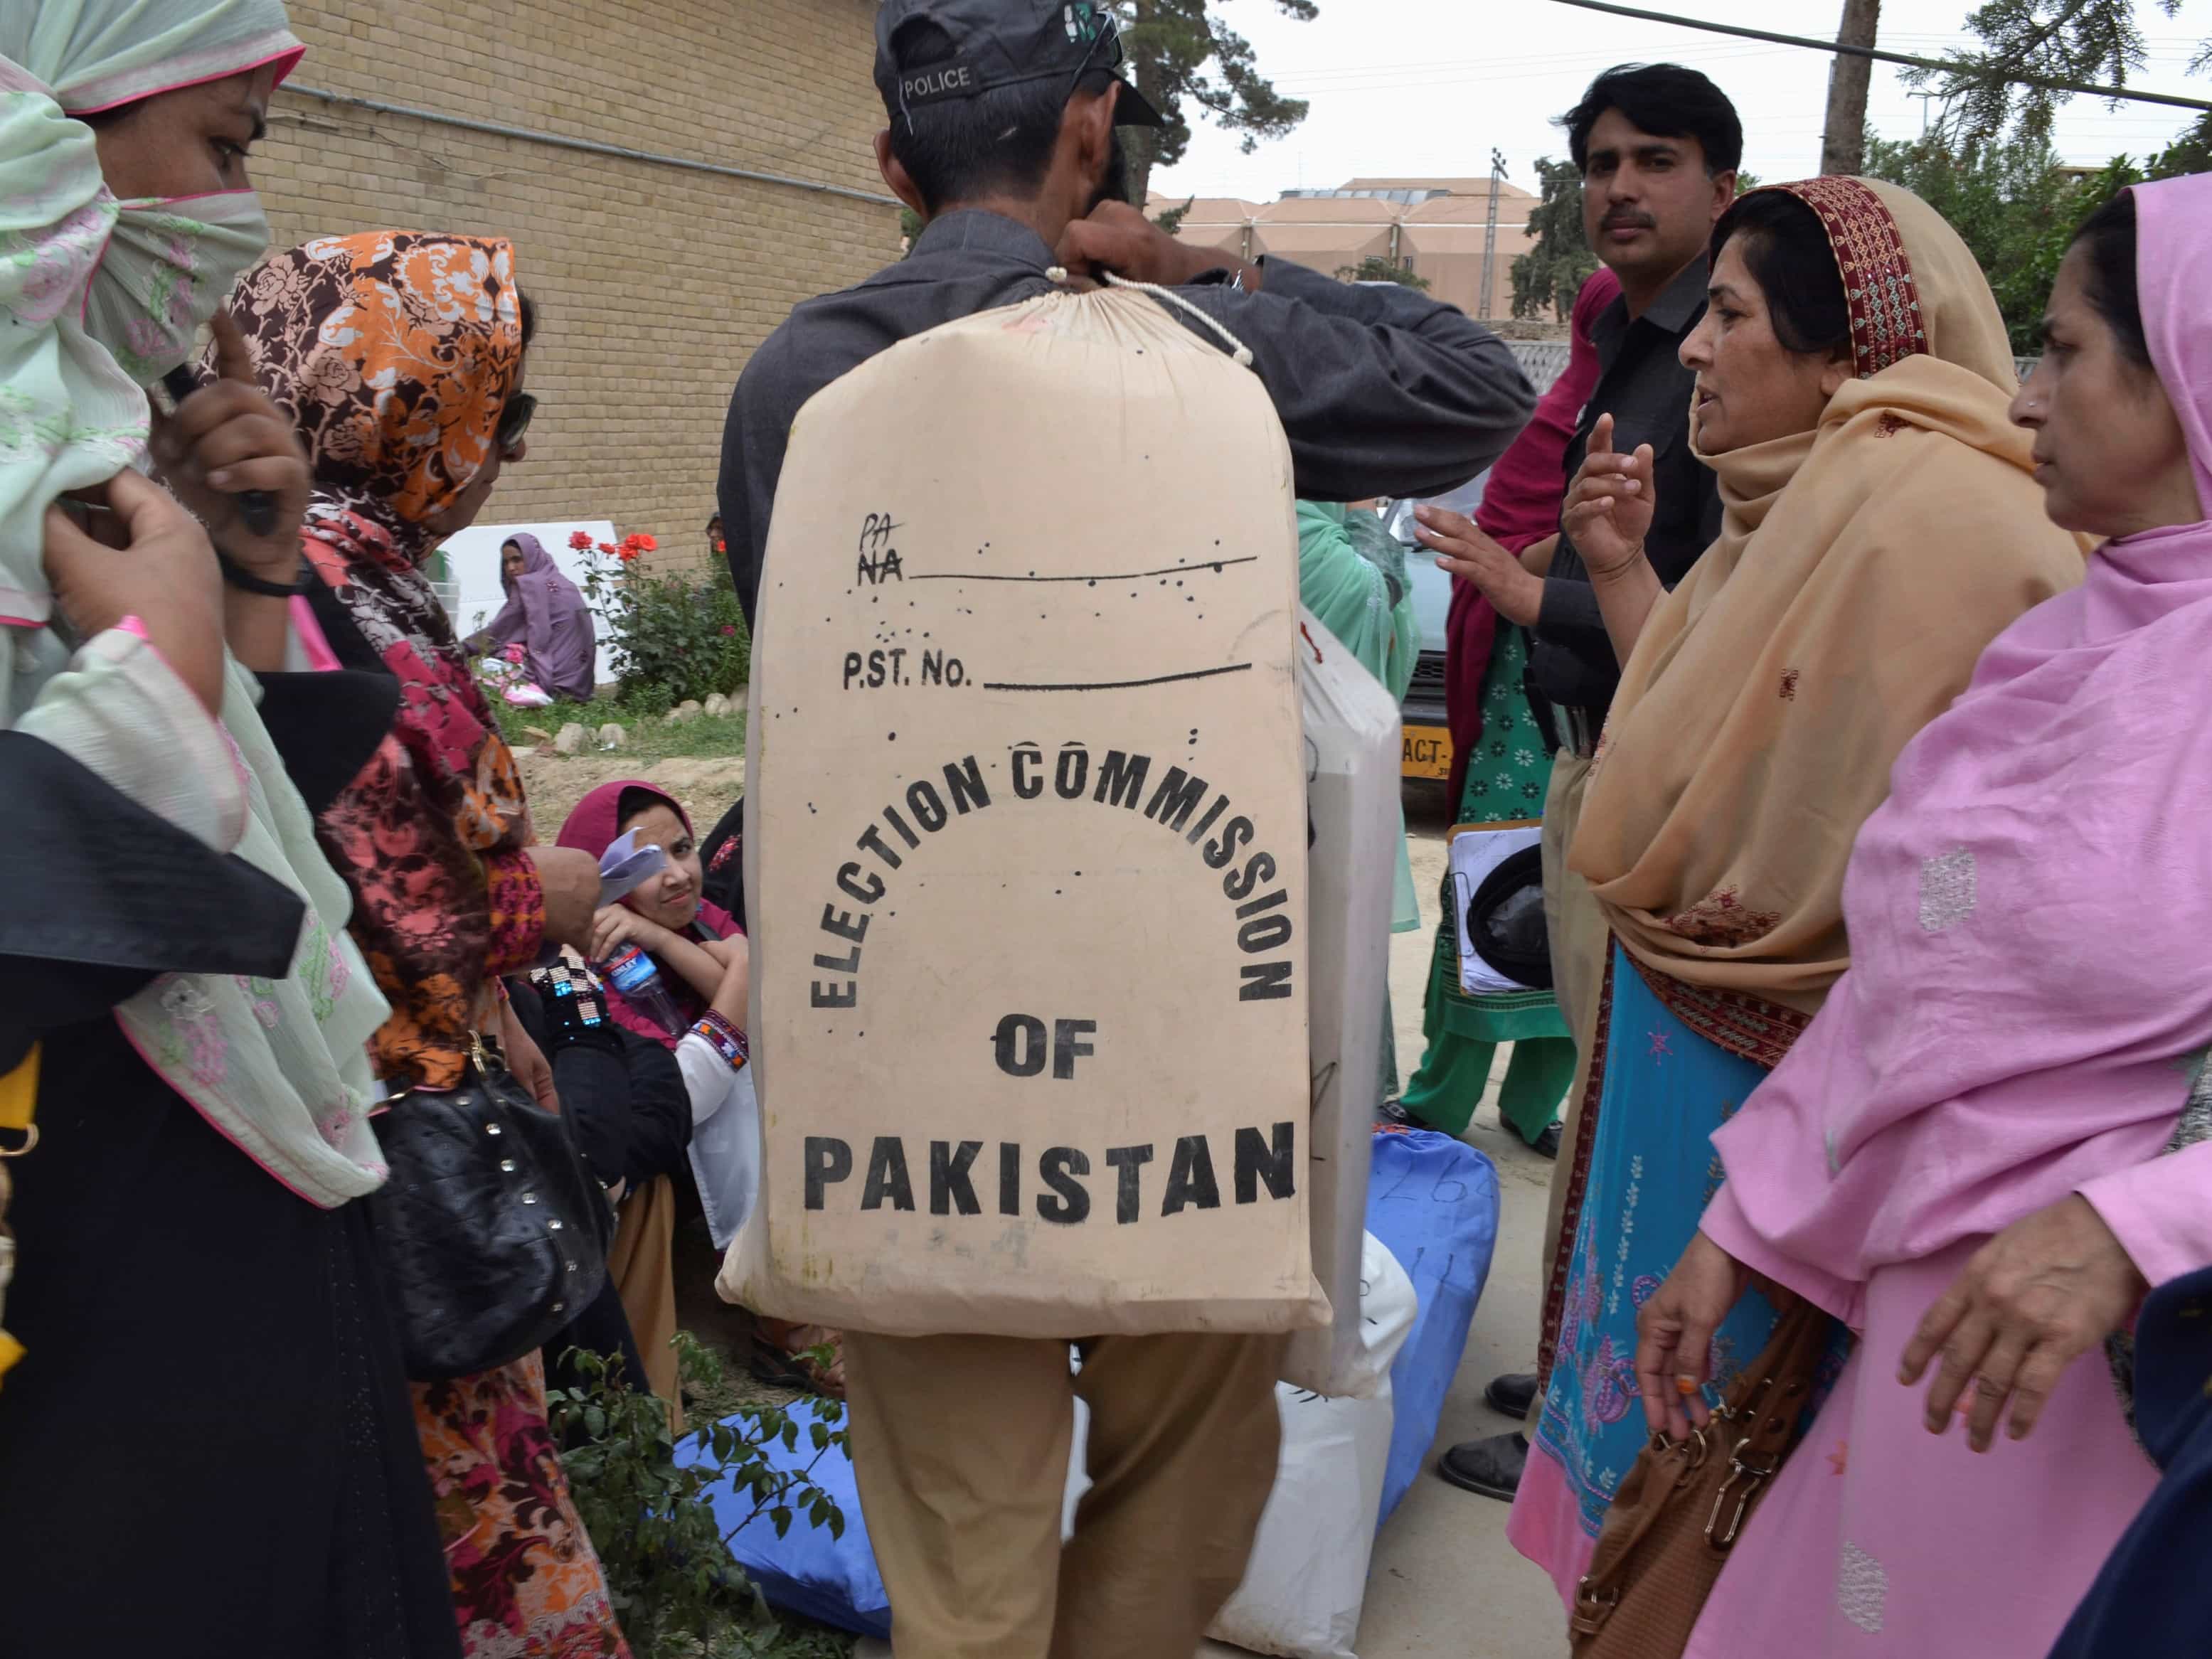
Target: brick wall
(653, 282)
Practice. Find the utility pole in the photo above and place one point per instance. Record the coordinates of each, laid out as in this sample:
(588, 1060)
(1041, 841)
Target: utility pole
(1843, 148)
(1490, 230)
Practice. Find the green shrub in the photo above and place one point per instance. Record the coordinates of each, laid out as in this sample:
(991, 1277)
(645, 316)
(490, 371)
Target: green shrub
(674, 1585)
(671, 637)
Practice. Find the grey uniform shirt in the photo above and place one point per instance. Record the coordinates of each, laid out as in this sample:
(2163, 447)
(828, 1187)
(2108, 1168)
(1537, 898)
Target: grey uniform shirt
(1383, 391)
(1642, 384)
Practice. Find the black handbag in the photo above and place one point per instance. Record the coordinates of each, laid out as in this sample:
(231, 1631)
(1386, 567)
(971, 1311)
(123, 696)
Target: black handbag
(491, 1231)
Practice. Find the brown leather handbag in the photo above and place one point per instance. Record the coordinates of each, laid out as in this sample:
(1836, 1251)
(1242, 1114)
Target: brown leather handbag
(1685, 1503)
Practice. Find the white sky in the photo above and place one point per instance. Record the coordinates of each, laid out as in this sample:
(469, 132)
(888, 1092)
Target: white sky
(1425, 87)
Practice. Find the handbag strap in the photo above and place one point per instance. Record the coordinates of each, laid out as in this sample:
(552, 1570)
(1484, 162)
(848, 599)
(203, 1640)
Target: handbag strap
(1667, 1466)
(1752, 1429)
(1765, 1407)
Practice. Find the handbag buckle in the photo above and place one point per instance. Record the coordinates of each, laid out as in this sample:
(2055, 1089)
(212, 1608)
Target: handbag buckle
(1753, 1476)
(1592, 1607)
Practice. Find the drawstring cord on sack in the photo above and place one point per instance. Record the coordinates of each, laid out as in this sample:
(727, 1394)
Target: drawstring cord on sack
(1167, 296)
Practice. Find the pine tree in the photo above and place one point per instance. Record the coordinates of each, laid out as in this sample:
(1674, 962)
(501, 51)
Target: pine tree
(1185, 60)
(2093, 40)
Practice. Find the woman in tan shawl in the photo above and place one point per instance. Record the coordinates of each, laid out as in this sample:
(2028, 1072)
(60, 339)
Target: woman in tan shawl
(1882, 527)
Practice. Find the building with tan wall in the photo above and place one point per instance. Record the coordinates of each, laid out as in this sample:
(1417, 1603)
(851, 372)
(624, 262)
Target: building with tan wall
(1436, 228)
(653, 279)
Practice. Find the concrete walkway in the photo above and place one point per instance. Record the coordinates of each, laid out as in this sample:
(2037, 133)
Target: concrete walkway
(1444, 1583)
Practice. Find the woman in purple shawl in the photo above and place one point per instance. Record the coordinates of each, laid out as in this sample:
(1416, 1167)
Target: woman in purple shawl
(548, 617)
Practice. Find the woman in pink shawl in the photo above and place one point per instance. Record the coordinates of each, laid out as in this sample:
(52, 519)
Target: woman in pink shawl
(1961, 1156)
(546, 616)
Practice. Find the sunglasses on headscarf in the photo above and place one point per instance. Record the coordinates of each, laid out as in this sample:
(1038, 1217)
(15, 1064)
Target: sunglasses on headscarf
(514, 421)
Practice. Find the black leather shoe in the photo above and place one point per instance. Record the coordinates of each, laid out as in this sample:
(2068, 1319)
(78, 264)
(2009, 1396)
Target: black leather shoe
(1547, 1145)
(1491, 1466)
(1512, 1393)
(1393, 1114)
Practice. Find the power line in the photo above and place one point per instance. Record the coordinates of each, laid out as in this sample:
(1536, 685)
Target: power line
(1880, 56)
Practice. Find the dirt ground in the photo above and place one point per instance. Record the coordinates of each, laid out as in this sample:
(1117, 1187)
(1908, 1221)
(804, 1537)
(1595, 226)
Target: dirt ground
(705, 785)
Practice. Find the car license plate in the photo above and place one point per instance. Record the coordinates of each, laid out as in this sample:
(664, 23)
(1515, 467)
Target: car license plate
(1428, 752)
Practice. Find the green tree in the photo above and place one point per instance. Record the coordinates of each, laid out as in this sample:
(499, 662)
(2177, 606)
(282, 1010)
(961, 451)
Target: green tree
(2093, 40)
(2010, 201)
(2016, 208)
(2191, 153)
(1376, 268)
(1552, 272)
(1184, 57)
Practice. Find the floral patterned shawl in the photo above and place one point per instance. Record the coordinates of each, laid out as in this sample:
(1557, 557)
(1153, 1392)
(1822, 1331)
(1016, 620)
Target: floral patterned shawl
(70, 415)
(395, 351)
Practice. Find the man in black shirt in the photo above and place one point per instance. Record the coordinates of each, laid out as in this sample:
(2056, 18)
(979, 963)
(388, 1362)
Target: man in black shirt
(1381, 390)
(1658, 146)
(1002, 138)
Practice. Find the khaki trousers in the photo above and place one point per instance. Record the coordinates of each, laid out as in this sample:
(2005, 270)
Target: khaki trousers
(641, 1263)
(960, 1446)
(1579, 940)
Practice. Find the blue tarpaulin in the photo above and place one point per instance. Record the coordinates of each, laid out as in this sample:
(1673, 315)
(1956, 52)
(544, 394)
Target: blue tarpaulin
(1433, 1203)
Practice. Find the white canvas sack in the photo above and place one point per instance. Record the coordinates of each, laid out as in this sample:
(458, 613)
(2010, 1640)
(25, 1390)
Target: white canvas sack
(1306, 1581)
(1026, 843)
(1352, 755)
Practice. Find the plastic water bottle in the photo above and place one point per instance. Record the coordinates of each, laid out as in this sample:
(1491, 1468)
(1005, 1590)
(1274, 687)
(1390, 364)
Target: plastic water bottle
(637, 977)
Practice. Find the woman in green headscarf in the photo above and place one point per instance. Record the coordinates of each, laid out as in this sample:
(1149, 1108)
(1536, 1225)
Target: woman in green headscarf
(205, 1443)
(1352, 575)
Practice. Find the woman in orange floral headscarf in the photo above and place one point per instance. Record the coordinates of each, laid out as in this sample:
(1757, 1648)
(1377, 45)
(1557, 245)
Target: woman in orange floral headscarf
(400, 355)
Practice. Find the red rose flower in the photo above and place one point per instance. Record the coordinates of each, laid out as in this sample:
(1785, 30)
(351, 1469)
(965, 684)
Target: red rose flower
(580, 539)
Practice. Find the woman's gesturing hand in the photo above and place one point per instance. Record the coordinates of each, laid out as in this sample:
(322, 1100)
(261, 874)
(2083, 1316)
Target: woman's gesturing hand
(1463, 549)
(1609, 505)
(2026, 1305)
(1674, 1335)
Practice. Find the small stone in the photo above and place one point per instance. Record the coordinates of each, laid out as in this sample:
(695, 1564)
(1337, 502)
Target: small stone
(571, 740)
(682, 715)
(612, 736)
(691, 703)
(717, 704)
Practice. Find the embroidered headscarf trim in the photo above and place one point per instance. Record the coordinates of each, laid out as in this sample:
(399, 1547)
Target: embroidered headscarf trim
(1861, 568)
